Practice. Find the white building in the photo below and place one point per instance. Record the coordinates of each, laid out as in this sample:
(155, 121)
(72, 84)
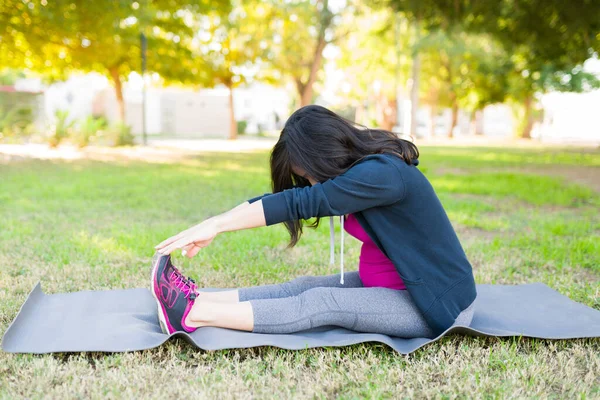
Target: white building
(170, 111)
(189, 113)
(571, 117)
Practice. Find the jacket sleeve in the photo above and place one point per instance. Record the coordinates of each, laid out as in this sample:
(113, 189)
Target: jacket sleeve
(371, 183)
(252, 200)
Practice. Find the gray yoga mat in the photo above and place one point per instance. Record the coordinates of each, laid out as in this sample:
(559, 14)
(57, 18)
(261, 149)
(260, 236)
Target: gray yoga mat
(126, 320)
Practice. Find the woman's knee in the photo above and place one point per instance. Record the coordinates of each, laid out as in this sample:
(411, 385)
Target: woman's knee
(299, 285)
(322, 306)
(320, 299)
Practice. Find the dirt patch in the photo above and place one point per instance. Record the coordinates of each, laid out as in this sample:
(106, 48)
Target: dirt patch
(452, 171)
(470, 234)
(583, 175)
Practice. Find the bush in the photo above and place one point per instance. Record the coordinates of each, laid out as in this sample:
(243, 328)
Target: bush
(87, 131)
(61, 129)
(17, 112)
(241, 127)
(16, 122)
(119, 134)
(261, 130)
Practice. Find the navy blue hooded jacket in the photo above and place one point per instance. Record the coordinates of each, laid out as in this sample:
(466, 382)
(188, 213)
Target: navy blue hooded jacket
(397, 207)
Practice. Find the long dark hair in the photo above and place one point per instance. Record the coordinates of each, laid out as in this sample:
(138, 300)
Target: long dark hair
(326, 145)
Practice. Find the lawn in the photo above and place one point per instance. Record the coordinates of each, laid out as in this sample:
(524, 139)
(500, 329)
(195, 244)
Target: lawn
(522, 216)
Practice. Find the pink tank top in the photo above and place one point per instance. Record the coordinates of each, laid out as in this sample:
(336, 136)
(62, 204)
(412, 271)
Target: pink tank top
(374, 268)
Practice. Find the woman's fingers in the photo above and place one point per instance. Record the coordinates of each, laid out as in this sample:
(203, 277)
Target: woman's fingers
(166, 242)
(170, 240)
(178, 244)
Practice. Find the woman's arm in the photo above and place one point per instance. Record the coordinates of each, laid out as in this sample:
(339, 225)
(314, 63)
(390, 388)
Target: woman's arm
(239, 207)
(372, 183)
(244, 216)
(251, 216)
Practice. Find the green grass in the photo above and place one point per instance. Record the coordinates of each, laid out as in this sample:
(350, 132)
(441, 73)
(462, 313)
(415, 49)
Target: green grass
(477, 157)
(85, 225)
(547, 190)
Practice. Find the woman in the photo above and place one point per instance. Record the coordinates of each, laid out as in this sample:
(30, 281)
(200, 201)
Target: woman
(413, 279)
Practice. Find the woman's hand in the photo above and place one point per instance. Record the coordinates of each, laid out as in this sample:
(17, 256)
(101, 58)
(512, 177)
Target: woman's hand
(244, 216)
(191, 240)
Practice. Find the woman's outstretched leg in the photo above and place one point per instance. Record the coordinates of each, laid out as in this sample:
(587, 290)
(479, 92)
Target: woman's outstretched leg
(299, 285)
(286, 289)
(374, 310)
(231, 308)
(368, 309)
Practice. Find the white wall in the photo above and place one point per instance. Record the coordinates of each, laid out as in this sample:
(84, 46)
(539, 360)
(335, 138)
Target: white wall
(258, 104)
(195, 113)
(75, 95)
(189, 113)
(571, 117)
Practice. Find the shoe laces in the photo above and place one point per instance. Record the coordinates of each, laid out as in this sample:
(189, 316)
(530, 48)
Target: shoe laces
(185, 284)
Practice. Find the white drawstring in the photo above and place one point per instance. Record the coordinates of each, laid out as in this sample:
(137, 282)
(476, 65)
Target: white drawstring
(331, 242)
(332, 246)
(342, 251)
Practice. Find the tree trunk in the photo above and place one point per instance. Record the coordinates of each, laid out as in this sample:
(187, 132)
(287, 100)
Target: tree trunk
(472, 123)
(479, 122)
(432, 119)
(232, 122)
(359, 116)
(114, 73)
(528, 125)
(414, 88)
(386, 112)
(306, 95)
(306, 89)
(454, 116)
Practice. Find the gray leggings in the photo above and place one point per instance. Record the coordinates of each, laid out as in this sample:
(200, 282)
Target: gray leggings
(311, 301)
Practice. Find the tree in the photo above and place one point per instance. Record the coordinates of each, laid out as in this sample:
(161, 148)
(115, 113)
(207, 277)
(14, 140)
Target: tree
(233, 48)
(55, 38)
(302, 31)
(463, 71)
(523, 85)
(373, 62)
(539, 34)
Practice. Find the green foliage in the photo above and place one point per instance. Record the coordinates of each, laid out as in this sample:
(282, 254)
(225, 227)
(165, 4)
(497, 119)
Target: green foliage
(56, 38)
(86, 130)
(540, 32)
(17, 111)
(16, 121)
(545, 44)
(376, 51)
(470, 69)
(98, 36)
(119, 134)
(241, 127)
(228, 44)
(301, 31)
(464, 69)
(9, 76)
(61, 129)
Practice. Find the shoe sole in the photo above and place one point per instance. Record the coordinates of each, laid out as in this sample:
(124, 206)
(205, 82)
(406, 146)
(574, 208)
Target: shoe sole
(161, 316)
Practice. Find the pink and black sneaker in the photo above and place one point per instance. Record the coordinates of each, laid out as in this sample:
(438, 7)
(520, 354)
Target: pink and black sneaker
(174, 293)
